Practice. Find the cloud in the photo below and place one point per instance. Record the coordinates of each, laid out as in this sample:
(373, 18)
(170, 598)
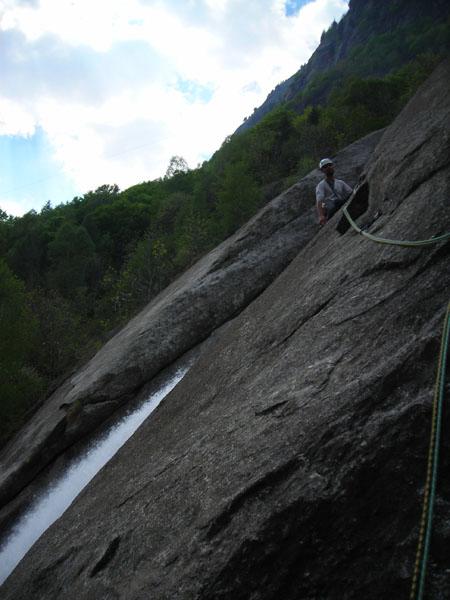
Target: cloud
(33, 3)
(17, 208)
(119, 87)
(48, 67)
(15, 119)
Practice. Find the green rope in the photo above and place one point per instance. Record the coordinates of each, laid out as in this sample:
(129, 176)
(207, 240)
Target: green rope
(423, 545)
(406, 243)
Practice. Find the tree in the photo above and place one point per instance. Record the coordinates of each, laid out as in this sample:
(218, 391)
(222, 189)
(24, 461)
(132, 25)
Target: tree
(115, 227)
(27, 253)
(19, 385)
(177, 165)
(148, 270)
(62, 337)
(239, 199)
(102, 195)
(71, 254)
(192, 232)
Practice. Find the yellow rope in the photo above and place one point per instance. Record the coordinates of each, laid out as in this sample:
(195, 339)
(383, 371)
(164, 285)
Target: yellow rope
(433, 450)
(426, 497)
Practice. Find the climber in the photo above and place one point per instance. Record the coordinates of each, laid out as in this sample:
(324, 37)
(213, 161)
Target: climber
(331, 193)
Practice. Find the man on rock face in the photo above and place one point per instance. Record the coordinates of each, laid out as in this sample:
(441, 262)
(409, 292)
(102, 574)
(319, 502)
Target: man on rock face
(331, 193)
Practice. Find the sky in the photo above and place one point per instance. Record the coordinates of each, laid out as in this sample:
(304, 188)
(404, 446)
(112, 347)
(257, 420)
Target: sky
(96, 92)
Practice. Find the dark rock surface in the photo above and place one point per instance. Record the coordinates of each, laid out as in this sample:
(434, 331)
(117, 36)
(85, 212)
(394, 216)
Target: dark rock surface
(290, 461)
(211, 292)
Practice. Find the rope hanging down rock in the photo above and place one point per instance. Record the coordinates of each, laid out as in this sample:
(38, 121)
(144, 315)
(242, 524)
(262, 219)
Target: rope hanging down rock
(423, 545)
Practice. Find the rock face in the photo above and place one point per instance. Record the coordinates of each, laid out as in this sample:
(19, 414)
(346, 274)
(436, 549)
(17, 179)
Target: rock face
(289, 463)
(210, 293)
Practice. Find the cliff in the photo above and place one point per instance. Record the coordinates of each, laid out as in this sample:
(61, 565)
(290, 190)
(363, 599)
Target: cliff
(364, 20)
(290, 461)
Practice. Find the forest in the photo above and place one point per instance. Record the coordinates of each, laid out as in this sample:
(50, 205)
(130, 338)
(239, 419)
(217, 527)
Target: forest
(73, 274)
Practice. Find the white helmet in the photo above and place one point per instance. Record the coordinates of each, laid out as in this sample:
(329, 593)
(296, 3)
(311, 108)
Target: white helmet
(324, 162)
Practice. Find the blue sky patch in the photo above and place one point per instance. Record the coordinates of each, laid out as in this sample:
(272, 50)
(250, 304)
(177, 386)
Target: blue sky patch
(28, 174)
(194, 92)
(136, 22)
(291, 7)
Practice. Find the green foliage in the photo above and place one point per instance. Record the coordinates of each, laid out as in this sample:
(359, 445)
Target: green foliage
(381, 55)
(114, 226)
(27, 253)
(148, 269)
(20, 386)
(388, 51)
(71, 254)
(193, 232)
(238, 199)
(21, 389)
(177, 165)
(16, 323)
(271, 155)
(408, 78)
(63, 337)
(102, 196)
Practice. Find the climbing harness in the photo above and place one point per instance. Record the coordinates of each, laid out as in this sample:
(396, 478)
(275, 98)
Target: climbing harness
(423, 545)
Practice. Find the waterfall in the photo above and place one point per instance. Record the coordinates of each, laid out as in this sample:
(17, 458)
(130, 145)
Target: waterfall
(55, 500)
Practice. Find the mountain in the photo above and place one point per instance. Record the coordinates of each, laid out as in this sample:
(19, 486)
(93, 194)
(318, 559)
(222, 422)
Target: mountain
(371, 39)
(290, 460)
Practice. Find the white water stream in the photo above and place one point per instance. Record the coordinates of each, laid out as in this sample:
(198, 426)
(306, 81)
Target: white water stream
(51, 505)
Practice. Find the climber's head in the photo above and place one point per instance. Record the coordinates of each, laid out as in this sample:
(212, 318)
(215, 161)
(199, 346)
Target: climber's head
(326, 166)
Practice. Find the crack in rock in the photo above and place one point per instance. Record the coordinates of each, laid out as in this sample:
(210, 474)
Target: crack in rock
(270, 409)
(269, 480)
(107, 557)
